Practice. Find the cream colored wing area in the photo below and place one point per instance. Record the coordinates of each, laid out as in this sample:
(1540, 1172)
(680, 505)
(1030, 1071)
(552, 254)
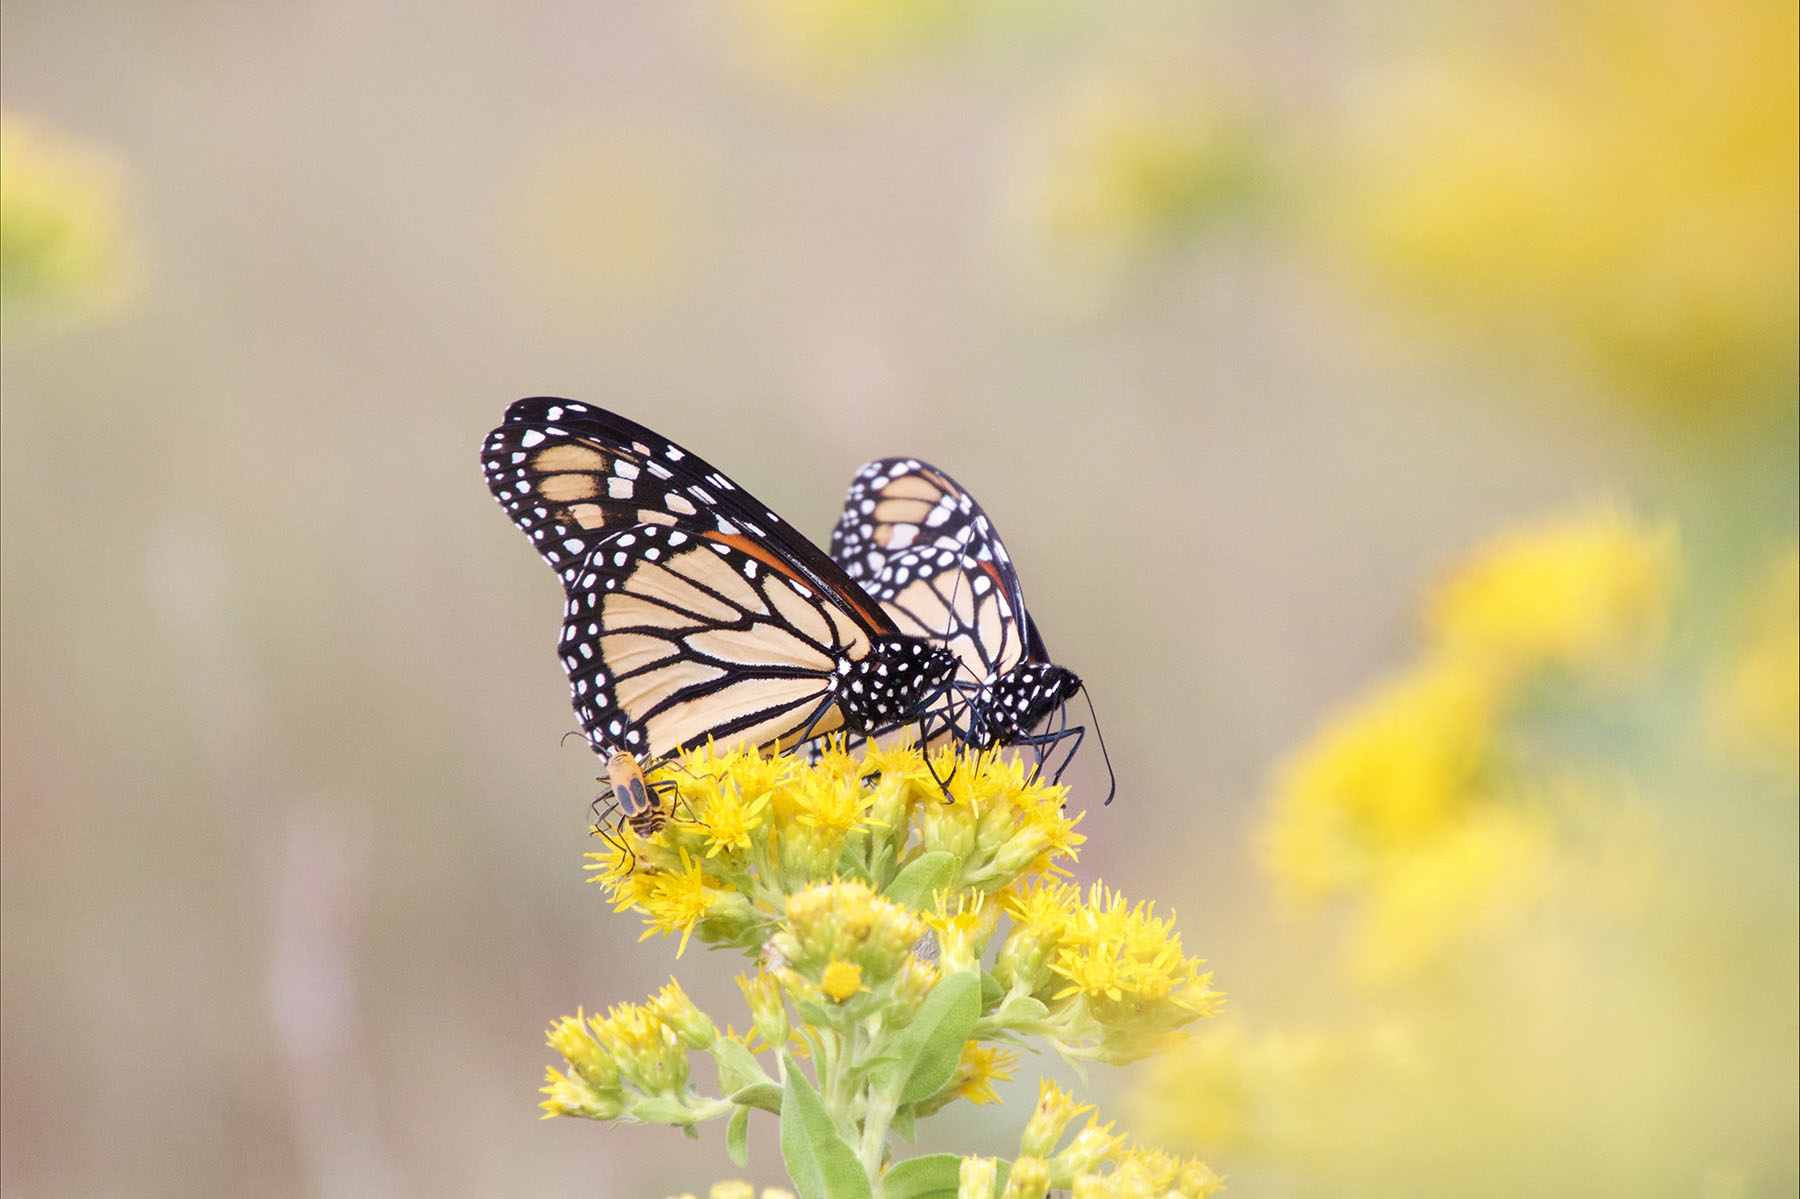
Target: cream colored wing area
(763, 644)
(641, 692)
(919, 609)
(802, 615)
(656, 582)
(627, 610)
(776, 697)
(852, 641)
(707, 568)
(625, 652)
(995, 631)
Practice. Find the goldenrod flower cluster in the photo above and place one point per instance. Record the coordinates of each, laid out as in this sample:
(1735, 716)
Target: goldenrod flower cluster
(1550, 882)
(1421, 804)
(911, 921)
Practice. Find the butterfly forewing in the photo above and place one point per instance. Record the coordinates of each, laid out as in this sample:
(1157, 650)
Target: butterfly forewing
(693, 611)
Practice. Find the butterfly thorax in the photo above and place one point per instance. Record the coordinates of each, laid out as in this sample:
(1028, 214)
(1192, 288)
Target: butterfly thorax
(895, 679)
(1011, 706)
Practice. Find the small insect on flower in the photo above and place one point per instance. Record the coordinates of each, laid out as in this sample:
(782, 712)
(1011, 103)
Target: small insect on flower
(642, 814)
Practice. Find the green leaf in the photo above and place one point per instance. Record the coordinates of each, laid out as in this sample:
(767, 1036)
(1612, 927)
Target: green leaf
(738, 1067)
(902, 1124)
(765, 1095)
(921, 877)
(927, 1050)
(1021, 1009)
(819, 1160)
(934, 1176)
(737, 1137)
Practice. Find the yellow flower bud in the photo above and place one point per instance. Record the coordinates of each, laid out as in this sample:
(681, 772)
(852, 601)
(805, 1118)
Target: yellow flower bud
(975, 1178)
(1055, 1108)
(1029, 1179)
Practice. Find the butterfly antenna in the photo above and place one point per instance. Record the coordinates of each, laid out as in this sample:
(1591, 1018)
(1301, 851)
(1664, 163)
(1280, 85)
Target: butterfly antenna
(1112, 780)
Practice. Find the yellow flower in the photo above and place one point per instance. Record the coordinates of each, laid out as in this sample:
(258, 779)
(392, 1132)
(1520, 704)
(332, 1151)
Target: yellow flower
(1055, 1108)
(1093, 1145)
(831, 804)
(1126, 966)
(976, 1177)
(768, 1015)
(670, 900)
(1153, 1172)
(846, 921)
(1029, 1179)
(728, 820)
(1381, 776)
(672, 1006)
(964, 929)
(841, 980)
(1621, 183)
(1589, 593)
(982, 1066)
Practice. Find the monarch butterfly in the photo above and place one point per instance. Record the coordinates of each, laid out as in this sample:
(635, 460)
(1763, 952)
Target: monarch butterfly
(919, 543)
(693, 612)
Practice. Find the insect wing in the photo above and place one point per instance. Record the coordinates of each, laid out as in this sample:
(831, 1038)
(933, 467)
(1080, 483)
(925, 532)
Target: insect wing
(925, 549)
(693, 611)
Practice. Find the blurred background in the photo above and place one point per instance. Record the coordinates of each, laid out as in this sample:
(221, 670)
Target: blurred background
(1295, 348)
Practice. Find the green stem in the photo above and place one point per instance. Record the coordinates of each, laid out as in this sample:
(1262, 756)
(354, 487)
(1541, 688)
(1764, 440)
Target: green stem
(877, 1119)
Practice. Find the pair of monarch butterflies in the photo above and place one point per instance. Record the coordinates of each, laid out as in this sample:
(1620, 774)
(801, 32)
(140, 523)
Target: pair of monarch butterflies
(694, 612)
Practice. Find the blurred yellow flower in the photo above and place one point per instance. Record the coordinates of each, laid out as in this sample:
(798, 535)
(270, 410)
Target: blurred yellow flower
(1561, 959)
(65, 247)
(1384, 775)
(1411, 802)
(1592, 592)
(1621, 179)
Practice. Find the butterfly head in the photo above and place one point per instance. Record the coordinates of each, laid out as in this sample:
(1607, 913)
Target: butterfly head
(894, 682)
(1012, 706)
